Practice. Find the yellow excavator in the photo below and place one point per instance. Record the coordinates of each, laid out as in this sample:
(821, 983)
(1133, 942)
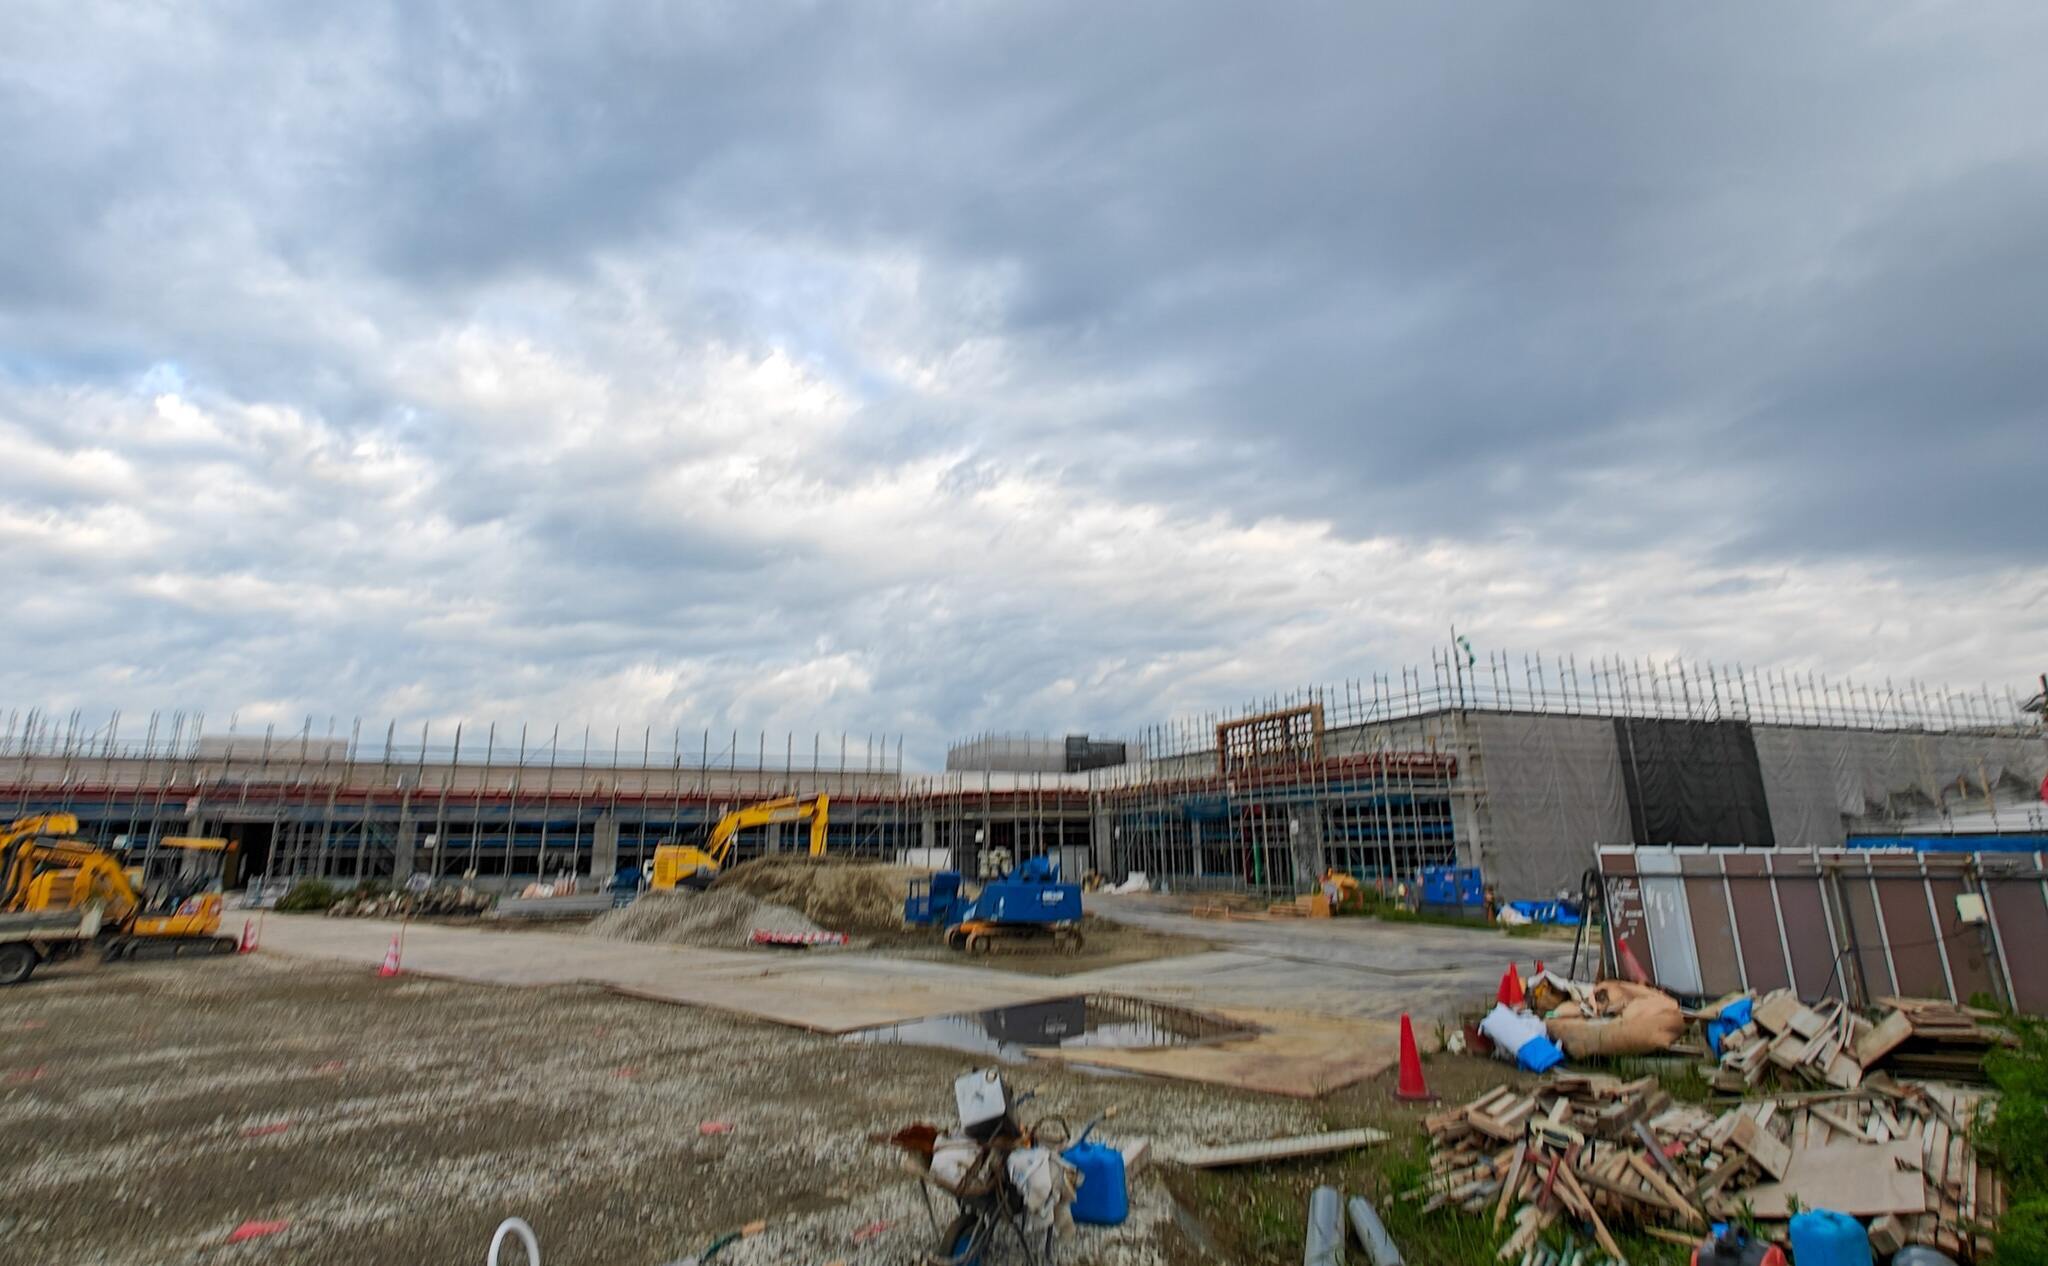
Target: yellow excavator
(59, 893)
(691, 866)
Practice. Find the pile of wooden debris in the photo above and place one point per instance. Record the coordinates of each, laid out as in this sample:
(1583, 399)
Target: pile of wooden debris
(1828, 1044)
(1607, 1153)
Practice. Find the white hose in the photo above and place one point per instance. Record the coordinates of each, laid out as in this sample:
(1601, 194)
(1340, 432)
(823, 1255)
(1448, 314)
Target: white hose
(518, 1227)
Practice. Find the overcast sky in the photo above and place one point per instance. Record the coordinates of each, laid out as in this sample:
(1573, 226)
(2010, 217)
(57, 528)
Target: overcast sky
(929, 369)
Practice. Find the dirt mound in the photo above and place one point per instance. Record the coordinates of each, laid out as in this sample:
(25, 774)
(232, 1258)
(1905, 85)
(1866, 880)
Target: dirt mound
(840, 895)
(714, 920)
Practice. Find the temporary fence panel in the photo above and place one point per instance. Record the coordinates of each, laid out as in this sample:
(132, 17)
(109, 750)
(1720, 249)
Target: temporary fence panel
(1668, 923)
(1858, 924)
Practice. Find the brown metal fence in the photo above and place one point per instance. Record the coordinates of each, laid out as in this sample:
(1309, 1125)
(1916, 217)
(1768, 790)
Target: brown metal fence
(1850, 923)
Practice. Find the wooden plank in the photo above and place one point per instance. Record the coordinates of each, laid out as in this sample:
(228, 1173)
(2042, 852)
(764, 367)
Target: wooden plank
(1281, 1149)
(1513, 1184)
(1494, 1126)
(1607, 1243)
(1774, 1013)
(1665, 1189)
(1888, 1235)
(1844, 1071)
(1849, 1128)
(1762, 1147)
(1892, 1030)
(1787, 1049)
(1849, 1177)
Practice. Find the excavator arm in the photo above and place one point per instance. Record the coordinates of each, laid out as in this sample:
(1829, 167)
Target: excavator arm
(25, 844)
(787, 809)
(42, 869)
(676, 864)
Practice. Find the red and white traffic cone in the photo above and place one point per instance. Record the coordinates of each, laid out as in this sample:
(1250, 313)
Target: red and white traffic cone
(247, 945)
(1631, 966)
(390, 967)
(1510, 993)
(1411, 1086)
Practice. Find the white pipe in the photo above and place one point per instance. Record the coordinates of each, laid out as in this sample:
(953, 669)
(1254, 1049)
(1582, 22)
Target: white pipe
(1325, 1240)
(1372, 1233)
(518, 1227)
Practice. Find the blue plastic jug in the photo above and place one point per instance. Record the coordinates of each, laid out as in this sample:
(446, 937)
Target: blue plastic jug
(1821, 1237)
(1103, 1199)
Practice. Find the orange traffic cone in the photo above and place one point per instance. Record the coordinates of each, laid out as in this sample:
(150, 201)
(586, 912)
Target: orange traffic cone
(1411, 1086)
(247, 945)
(1631, 969)
(390, 967)
(1539, 968)
(1510, 994)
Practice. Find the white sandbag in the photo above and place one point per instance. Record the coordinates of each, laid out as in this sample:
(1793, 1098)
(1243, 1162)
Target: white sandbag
(952, 1156)
(1508, 1029)
(1047, 1184)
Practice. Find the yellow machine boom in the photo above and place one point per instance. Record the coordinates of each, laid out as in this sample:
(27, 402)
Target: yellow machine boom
(691, 866)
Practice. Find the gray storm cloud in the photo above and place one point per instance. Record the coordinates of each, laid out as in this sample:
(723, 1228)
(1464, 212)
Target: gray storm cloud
(932, 369)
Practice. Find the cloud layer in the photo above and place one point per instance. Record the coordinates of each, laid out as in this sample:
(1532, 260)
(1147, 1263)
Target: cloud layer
(981, 366)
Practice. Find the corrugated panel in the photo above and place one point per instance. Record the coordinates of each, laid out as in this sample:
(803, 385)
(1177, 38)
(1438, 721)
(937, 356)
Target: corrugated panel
(1703, 921)
(1756, 922)
(1668, 918)
(1625, 923)
(1713, 932)
(1966, 948)
(2021, 923)
(1909, 928)
(1860, 924)
(1809, 924)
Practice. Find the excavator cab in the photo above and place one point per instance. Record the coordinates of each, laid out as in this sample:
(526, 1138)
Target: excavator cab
(185, 901)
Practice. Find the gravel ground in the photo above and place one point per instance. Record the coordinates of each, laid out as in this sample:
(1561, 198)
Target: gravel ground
(718, 920)
(140, 1108)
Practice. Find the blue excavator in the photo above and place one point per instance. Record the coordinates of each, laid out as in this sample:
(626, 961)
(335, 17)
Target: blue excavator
(1028, 904)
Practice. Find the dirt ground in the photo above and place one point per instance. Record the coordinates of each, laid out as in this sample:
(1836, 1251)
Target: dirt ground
(146, 1111)
(866, 900)
(1104, 944)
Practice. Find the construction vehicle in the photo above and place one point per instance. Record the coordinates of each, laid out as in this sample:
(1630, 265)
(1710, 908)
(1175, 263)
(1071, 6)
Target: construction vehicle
(1028, 903)
(59, 893)
(692, 866)
(1346, 895)
(29, 940)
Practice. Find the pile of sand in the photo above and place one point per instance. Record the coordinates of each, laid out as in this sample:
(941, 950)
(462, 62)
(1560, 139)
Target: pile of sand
(844, 896)
(715, 920)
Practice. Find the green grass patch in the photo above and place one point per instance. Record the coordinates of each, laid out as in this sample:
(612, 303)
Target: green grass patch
(2014, 1138)
(308, 895)
(1683, 1079)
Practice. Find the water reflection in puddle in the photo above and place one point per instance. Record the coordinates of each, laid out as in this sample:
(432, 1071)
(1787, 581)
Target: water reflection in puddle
(1106, 1021)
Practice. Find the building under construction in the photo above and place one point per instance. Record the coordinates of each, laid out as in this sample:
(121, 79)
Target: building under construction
(1523, 770)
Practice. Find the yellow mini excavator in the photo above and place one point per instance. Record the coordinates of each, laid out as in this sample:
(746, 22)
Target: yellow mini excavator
(691, 866)
(59, 893)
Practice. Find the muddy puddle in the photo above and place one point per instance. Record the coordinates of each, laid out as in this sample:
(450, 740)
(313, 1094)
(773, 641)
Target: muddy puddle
(1107, 1021)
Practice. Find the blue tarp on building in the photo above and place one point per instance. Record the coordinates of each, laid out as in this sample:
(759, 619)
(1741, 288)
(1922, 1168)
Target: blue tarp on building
(1955, 843)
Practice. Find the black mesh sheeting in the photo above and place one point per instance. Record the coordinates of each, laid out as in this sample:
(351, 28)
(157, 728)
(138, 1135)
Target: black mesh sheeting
(1693, 782)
